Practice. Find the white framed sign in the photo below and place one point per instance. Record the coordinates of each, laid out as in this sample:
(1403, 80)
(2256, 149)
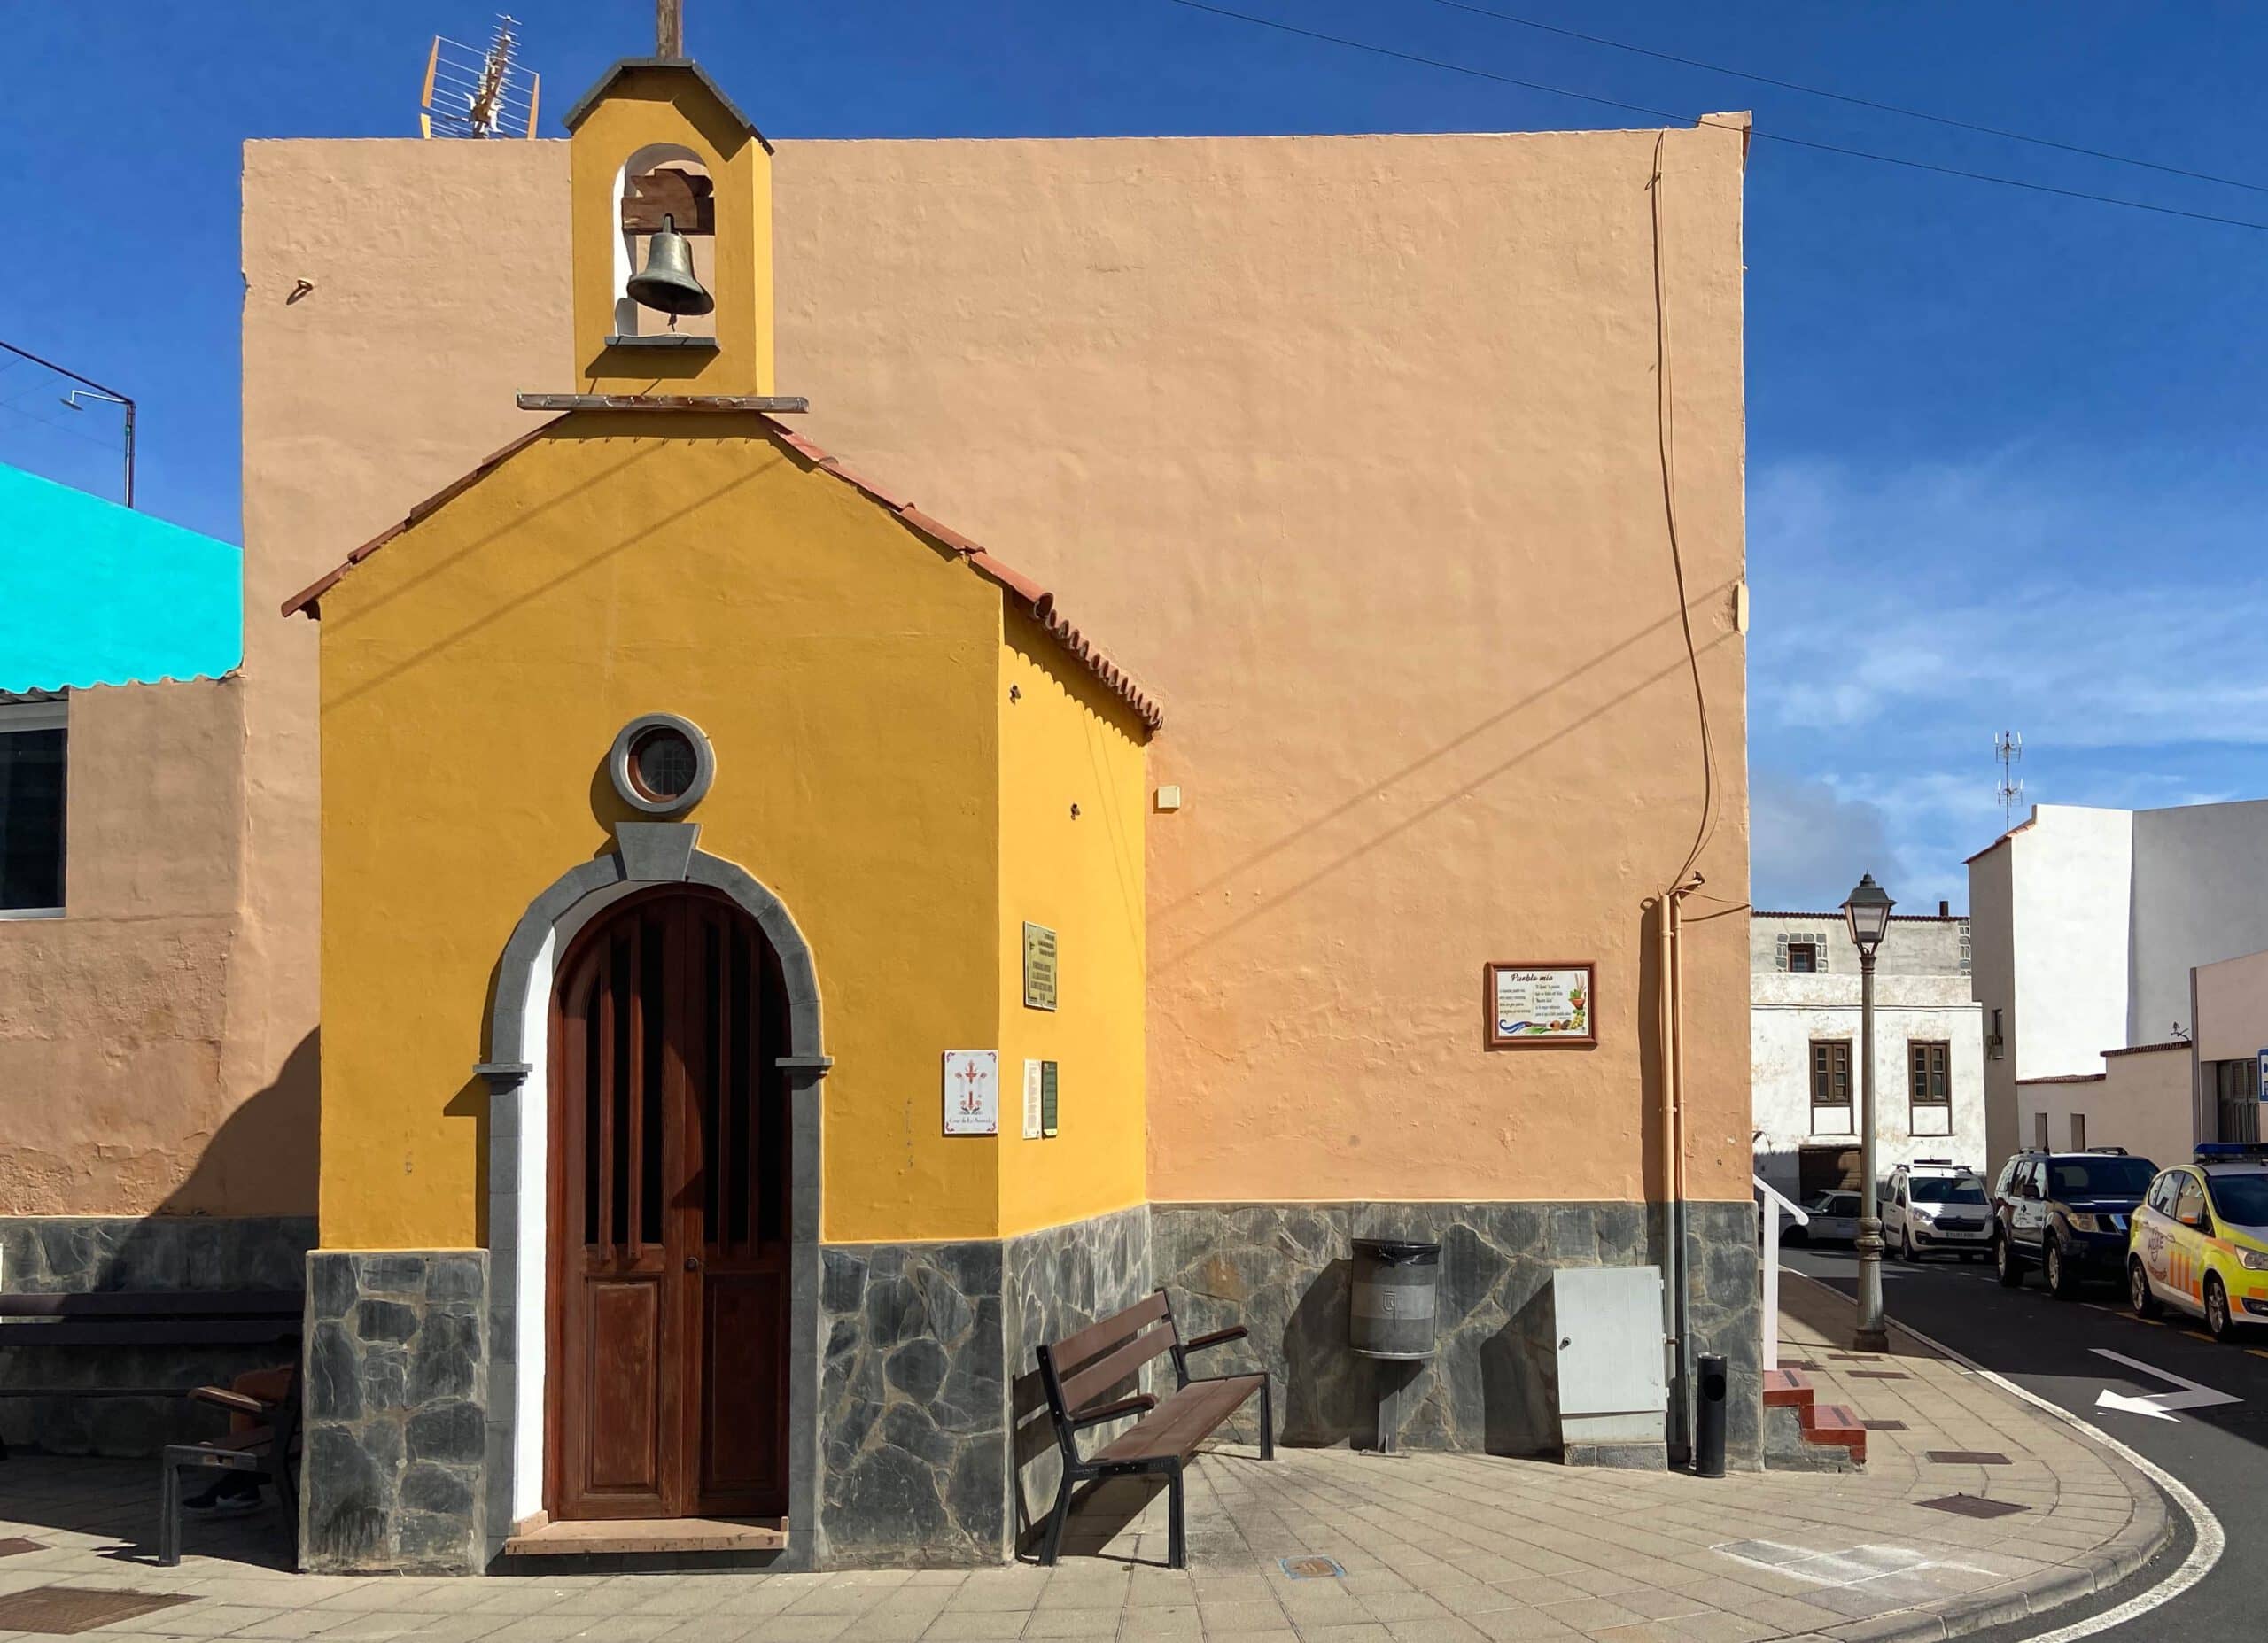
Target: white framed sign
(1541, 1005)
(1031, 1099)
(971, 1092)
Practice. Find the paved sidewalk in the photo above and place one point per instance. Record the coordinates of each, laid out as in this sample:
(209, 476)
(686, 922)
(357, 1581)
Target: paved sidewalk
(1432, 1547)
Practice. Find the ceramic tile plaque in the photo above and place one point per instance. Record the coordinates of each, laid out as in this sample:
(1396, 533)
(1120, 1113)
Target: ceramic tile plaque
(1031, 1099)
(1540, 1005)
(1039, 967)
(1047, 1109)
(971, 1092)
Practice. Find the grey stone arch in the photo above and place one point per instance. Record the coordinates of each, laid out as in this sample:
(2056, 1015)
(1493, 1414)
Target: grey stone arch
(519, 1151)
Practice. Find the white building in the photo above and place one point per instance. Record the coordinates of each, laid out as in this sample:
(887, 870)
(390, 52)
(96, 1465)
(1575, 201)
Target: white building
(2086, 925)
(1805, 1044)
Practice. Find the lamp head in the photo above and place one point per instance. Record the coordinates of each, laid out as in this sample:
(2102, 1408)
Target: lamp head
(1867, 910)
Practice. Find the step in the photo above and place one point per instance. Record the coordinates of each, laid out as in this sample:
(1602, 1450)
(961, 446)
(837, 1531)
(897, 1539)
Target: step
(1787, 1388)
(633, 1535)
(1837, 1424)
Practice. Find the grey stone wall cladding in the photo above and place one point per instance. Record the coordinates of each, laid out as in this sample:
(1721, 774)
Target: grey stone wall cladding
(927, 1389)
(1059, 1281)
(911, 1405)
(396, 1398)
(79, 1254)
(1284, 1271)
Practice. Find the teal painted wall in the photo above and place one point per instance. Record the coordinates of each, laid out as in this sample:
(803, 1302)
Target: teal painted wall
(93, 594)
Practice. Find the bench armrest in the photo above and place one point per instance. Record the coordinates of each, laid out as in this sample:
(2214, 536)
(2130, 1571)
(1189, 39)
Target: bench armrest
(1216, 1337)
(220, 1397)
(1140, 1403)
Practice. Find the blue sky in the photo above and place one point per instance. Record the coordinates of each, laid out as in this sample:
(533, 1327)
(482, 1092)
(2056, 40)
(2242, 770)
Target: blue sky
(2004, 448)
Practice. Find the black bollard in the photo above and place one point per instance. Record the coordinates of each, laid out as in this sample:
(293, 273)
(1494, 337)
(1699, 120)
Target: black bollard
(1709, 1418)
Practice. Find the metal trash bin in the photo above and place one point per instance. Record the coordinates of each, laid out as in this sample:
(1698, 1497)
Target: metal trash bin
(1397, 1283)
(1390, 1320)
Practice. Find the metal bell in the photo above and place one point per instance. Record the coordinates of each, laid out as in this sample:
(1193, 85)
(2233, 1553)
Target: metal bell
(666, 281)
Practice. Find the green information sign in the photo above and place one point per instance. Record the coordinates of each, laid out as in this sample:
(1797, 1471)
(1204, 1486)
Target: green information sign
(1047, 1098)
(1039, 967)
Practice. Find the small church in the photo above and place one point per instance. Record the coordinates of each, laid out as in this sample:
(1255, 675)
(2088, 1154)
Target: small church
(745, 809)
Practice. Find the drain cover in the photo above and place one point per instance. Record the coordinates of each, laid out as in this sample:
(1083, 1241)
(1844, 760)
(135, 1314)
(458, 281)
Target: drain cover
(1959, 1506)
(1878, 1375)
(1311, 1568)
(14, 1544)
(1968, 1457)
(1884, 1426)
(62, 1611)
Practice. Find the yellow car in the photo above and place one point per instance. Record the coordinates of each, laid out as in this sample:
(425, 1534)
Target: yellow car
(2199, 1240)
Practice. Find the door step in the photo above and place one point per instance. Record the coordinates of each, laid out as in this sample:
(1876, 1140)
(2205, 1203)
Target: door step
(637, 1535)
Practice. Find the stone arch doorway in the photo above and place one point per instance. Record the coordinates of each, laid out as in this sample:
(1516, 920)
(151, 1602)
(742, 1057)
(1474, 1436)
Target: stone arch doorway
(520, 1139)
(669, 1249)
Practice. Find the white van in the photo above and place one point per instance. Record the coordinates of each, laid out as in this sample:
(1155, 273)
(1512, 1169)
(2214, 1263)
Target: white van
(1934, 1206)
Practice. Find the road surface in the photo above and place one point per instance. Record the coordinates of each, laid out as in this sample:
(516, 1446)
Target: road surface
(2057, 1350)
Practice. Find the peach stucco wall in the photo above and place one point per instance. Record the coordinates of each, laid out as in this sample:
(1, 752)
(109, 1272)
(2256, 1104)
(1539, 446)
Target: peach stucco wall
(1347, 446)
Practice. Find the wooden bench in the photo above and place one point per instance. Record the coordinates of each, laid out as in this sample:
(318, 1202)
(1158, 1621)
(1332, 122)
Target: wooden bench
(115, 1318)
(1080, 1371)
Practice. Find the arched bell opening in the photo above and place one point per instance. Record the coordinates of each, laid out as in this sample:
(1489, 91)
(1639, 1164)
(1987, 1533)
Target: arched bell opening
(665, 251)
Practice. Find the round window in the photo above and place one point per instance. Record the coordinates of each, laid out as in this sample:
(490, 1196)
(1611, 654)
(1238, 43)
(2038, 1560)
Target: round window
(660, 765)
(663, 764)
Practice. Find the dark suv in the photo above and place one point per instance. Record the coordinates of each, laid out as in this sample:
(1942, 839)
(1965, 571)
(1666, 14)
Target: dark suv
(2066, 1213)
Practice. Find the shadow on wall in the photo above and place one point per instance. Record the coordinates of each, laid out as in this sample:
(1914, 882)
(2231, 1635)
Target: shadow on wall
(183, 1244)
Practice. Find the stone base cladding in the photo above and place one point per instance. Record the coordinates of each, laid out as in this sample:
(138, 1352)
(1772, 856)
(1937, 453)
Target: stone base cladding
(1059, 1281)
(916, 1428)
(1284, 1271)
(911, 1405)
(397, 1391)
(78, 1254)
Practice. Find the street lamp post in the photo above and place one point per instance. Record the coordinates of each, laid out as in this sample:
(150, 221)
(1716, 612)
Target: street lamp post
(1867, 911)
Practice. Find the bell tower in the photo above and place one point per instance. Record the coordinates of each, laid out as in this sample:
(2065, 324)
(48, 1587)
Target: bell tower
(673, 234)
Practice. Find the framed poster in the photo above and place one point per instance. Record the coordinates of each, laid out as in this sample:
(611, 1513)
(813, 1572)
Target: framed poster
(971, 1092)
(1039, 967)
(1541, 1005)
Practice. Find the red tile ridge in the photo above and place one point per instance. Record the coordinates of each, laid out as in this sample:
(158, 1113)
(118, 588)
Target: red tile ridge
(1039, 602)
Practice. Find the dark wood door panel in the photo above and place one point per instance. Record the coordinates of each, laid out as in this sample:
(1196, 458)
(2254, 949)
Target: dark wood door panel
(623, 1438)
(743, 1459)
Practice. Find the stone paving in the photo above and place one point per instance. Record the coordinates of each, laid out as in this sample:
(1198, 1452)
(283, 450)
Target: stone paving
(1431, 1546)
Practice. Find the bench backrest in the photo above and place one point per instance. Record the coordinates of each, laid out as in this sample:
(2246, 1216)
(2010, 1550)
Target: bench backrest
(130, 1305)
(1080, 1371)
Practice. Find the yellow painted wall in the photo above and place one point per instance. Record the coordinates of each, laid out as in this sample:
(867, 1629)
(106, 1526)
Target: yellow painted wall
(645, 106)
(1064, 740)
(473, 672)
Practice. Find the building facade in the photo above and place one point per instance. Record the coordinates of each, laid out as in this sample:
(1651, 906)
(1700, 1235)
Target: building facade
(1350, 449)
(1806, 1045)
(122, 901)
(2088, 923)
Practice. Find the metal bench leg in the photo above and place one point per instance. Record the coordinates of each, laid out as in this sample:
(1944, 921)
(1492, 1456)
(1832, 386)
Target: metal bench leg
(1267, 1417)
(1053, 1542)
(1177, 1539)
(168, 1513)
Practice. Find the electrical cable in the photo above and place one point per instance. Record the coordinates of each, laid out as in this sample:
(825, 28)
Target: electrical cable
(1688, 119)
(1844, 97)
(1666, 443)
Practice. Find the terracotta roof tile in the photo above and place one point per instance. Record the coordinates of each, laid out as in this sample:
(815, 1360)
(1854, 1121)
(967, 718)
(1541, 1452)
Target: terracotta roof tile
(1039, 601)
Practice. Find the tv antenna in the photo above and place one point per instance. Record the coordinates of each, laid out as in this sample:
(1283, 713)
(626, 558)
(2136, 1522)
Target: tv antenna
(475, 93)
(2008, 747)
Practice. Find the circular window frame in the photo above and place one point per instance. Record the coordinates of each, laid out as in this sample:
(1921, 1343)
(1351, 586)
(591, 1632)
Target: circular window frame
(626, 785)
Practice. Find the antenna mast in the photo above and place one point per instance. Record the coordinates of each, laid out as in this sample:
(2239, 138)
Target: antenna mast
(483, 93)
(2008, 747)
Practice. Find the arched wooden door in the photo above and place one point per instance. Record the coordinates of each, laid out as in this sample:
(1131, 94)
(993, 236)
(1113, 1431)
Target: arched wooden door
(668, 1382)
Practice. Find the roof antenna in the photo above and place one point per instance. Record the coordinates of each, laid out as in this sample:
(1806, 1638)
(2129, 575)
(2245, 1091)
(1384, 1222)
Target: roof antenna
(668, 28)
(2008, 747)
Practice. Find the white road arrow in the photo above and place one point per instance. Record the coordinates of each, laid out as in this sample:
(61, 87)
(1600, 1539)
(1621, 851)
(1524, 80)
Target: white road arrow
(2157, 1405)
